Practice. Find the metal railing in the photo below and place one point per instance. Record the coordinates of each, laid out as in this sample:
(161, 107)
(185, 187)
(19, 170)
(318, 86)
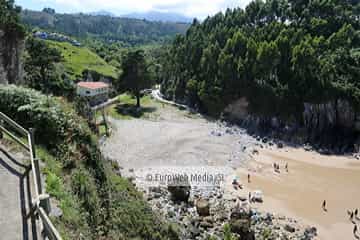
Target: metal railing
(41, 201)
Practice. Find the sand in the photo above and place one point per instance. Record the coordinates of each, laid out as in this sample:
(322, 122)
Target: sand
(300, 192)
(175, 138)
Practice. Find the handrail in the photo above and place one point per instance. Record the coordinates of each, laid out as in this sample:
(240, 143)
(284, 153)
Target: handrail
(11, 122)
(41, 201)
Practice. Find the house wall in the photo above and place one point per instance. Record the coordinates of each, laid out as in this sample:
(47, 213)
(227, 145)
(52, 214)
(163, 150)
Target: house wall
(95, 96)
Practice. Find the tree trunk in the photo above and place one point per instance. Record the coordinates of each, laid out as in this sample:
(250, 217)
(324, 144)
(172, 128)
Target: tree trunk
(138, 99)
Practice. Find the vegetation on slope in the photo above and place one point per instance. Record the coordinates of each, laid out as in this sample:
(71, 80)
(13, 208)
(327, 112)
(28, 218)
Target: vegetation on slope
(279, 54)
(79, 59)
(129, 32)
(96, 202)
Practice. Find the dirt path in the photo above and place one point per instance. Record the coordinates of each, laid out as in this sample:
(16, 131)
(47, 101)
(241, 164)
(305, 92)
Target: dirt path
(15, 199)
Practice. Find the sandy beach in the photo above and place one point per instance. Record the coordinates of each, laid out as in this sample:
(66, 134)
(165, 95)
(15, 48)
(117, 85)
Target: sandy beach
(300, 192)
(177, 139)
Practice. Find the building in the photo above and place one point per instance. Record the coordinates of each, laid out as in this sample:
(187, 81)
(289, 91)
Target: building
(95, 92)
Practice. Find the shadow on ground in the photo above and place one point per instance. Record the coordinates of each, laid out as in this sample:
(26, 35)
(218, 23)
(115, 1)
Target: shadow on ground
(133, 111)
(14, 168)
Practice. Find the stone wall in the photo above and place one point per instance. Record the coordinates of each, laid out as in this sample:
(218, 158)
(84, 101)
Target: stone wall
(11, 67)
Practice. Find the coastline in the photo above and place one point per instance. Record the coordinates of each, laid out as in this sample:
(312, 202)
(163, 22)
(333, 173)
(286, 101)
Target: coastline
(299, 193)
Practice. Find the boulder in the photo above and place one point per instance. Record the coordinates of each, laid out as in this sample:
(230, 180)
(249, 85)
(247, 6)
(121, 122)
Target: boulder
(310, 232)
(203, 207)
(240, 223)
(257, 196)
(179, 193)
(289, 228)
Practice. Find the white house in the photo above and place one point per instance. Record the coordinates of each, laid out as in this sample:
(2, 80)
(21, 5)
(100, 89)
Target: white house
(95, 92)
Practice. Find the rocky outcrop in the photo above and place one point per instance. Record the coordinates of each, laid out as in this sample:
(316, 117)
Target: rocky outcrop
(332, 123)
(240, 223)
(179, 193)
(326, 116)
(11, 69)
(203, 207)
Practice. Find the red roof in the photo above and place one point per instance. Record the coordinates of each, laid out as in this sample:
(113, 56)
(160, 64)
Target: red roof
(93, 85)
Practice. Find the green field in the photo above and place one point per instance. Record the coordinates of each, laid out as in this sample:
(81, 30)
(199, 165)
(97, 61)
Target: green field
(78, 59)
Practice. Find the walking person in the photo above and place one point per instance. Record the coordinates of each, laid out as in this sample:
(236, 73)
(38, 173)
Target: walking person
(249, 178)
(286, 167)
(324, 206)
(355, 230)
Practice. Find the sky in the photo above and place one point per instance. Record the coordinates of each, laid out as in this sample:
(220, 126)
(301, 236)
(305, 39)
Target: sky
(190, 8)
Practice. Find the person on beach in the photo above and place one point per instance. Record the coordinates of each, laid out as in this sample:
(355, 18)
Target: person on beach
(355, 230)
(324, 205)
(286, 167)
(248, 178)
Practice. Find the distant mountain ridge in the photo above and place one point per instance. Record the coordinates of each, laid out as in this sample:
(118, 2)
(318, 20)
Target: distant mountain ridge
(102, 13)
(160, 16)
(128, 31)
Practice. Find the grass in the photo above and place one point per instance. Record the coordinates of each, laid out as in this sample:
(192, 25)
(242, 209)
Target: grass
(78, 59)
(66, 201)
(126, 109)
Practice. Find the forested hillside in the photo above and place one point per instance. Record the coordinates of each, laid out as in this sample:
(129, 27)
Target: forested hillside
(128, 31)
(279, 54)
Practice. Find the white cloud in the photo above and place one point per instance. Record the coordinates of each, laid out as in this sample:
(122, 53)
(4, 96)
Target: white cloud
(192, 8)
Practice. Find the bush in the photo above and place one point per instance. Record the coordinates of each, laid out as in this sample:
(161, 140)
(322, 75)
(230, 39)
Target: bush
(96, 203)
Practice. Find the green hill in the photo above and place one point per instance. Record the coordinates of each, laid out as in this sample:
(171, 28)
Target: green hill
(78, 59)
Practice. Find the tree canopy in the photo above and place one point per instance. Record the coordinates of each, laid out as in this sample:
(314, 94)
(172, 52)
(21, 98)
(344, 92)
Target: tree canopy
(9, 19)
(135, 76)
(40, 66)
(278, 54)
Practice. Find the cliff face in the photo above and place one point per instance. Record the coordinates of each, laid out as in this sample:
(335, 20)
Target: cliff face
(335, 123)
(11, 69)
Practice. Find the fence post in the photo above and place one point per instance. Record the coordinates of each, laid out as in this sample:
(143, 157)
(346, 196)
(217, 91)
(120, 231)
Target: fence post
(36, 161)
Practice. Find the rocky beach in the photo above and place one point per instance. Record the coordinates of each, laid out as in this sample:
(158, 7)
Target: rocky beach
(283, 205)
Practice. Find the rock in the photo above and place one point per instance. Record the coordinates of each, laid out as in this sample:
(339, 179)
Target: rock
(179, 193)
(280, 145)
(243, 197)
(208, 219)
(55, 211)
(155, 189)
(310, 232)
(206, 225)
(229, 131)
(171, 214)
(240, 223)
(194, 232)
(307, 148)
(203, 207)
(289, 228)
(257, 196)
